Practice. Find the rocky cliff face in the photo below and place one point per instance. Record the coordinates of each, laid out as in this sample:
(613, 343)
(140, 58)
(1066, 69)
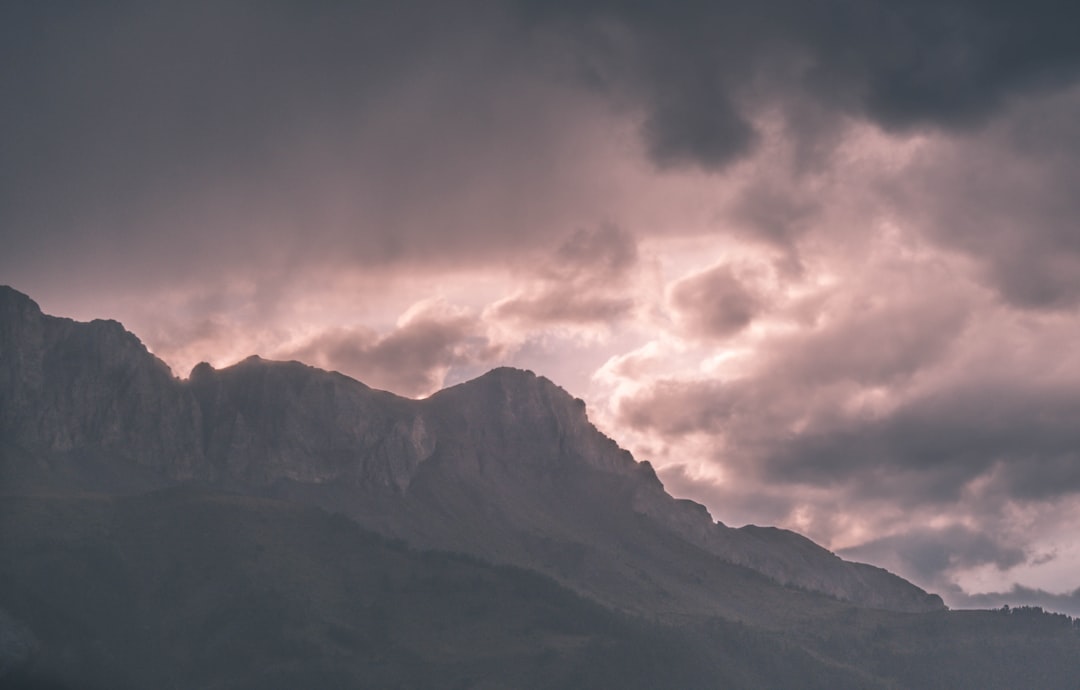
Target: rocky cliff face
(267, 421)
(86, 391)
(510, 419)
(507, 466)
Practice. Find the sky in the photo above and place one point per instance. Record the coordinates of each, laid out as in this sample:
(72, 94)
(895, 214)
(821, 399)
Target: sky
(818, 262)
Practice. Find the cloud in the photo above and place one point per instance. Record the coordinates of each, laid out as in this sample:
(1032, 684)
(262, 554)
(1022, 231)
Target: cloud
(714, 303)
(1004, 198)
(815, 356)
(776, 212)
(697, 68)
(673, 408)
(693, 121)
(563, 304)
(177, 143)
(584, 282)
(419, 134)
(895, 397)
(930, 555)
(828, 251)
(923, 449)
(413, 359)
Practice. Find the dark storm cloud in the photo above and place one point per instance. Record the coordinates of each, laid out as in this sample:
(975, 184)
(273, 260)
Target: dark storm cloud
(929, 554)
(715, 303)
(187, 87)
(692, 121)
(955, 435)
(696, 66)
(1021, 436)
(583, 282)
(106, 103)
(1007, 198)
(194, 138)
(410, 360)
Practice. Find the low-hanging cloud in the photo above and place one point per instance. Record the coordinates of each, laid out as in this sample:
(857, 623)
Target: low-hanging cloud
(1019, 435)
(412, 359)
(907, 400)
(928, 555)
(715, 303)
(584, 282)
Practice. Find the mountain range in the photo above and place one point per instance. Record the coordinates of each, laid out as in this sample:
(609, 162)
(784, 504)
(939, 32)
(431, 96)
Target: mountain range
(273, 524)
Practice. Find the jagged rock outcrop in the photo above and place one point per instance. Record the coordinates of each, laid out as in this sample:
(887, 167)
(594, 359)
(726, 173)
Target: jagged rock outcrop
(82, 393)
(506, 466)
(535, 424)
(270, 421)
(515, 419)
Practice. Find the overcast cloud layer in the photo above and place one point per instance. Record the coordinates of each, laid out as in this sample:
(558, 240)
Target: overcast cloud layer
(818, 262)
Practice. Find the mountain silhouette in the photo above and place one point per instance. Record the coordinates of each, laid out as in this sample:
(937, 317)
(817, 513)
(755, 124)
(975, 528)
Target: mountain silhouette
(247, 496)
(506, 467)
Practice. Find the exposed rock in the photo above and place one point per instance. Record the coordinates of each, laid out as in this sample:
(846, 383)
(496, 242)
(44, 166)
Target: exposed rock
(271, 421)
(506, 466)
(82, 392)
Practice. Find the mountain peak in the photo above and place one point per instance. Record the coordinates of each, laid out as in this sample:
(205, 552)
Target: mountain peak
(516, 389)
(14, 302)
(506, 466)
(201, 371)
(510, 379)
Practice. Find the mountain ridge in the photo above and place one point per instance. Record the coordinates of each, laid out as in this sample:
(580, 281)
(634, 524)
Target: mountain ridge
(505, 466)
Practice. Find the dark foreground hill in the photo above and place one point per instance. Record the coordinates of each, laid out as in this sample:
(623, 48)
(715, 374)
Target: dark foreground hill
(187, 589)
(273, 525)
(193, 588)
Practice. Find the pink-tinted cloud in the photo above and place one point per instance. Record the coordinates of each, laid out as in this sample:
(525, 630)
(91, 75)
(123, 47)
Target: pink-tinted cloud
(1004, 197)
(715, 303)
(828, 251)
(412, 359)
(584, 282)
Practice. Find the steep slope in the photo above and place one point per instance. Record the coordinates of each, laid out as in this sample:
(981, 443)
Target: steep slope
(266, 422)
(185, 588)
(88, 403)
(193, 587)
(542, 440)
(506, 467)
